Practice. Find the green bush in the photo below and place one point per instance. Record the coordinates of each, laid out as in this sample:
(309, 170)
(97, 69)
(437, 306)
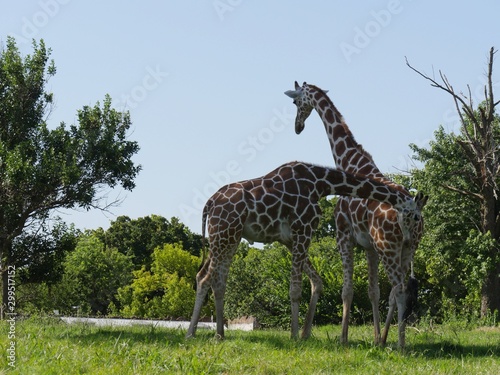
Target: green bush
(92, 276)
(259, 281)
(164, 291)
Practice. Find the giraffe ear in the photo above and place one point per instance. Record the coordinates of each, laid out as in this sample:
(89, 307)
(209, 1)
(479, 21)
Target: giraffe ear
(325, 91)
(292, 93)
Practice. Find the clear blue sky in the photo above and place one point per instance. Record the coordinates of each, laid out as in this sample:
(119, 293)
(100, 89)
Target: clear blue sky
(204, 81)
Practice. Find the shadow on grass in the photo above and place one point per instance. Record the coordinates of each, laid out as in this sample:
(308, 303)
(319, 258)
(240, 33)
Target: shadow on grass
(449, 349)
(88, 334)
(437, 348)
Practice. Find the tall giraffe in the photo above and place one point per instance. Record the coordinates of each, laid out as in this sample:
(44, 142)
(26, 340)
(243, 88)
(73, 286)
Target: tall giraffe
(372, 225)
(280, 206)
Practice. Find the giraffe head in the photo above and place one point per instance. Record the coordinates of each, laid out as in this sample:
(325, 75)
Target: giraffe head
(412, 208)
(410, 217)
(303, 99)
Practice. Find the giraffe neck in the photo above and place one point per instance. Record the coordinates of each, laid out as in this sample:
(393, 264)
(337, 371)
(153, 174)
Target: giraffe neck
(357, 186)
(347, 153)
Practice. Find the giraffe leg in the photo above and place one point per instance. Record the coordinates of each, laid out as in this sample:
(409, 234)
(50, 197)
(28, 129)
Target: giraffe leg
(374, 291)
(390, 316)
(397, 299)
(295, 293)
(316, 290)
(219, 288)
(203, 284)
(347, 289)
(345, 243)
(219, 310)
(401, 303)
(214, 273)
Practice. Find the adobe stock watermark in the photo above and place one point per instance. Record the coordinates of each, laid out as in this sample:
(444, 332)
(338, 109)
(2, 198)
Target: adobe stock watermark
(247, 151)
(31, 25)
(363, 36)
(222, 7)
(10, 316)
(139, 93)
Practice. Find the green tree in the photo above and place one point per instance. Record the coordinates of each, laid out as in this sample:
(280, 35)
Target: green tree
(462, 174)
(454, 257)
(166, 290)
(326, 226)
(42, 169)
(92, 276)
(40, 252)
(259, 283)
(139, 237)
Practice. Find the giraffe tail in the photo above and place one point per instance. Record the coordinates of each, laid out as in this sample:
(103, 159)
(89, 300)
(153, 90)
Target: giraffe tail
(206, 210)
(411, 298)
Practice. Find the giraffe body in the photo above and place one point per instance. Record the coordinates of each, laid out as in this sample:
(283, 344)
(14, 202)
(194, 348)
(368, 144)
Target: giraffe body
(280, 206)
(375, 226)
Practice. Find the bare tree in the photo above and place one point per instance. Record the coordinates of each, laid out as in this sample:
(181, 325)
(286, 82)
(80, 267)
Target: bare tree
(480, 133)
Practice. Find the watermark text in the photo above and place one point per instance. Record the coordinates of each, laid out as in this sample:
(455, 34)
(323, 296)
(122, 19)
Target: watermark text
(139, 93)
(222, 7)
(363, 36)
(31, 25)
(11, 316)
(247, 151)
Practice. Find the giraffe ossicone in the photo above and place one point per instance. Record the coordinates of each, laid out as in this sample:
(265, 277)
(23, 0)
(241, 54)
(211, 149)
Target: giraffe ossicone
(281, 206)
(386, 233)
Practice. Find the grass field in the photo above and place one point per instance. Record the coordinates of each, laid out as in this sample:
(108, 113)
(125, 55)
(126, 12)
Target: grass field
(46, 346)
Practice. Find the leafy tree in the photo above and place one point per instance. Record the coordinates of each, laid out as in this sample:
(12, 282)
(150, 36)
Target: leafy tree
(42, 169)
(92, 276)
(326, 226)
(40, 253)
(259, 284)
(141, 236)
(259, 281)
(462, 174)
(452, 250)
(325, 258)
(164, 291)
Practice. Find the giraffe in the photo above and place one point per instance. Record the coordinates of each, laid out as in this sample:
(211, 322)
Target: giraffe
(280, 206)
(373, 225)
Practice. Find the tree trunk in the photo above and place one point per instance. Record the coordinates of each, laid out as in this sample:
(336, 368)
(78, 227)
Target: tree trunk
(5, 256)
(490, 298)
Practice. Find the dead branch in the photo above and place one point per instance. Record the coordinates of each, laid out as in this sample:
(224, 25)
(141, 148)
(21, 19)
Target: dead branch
(457, 99)
(489, 98)
(464, 192)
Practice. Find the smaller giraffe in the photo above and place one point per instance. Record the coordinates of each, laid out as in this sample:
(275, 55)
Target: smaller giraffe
(280, 206)
(375, 226)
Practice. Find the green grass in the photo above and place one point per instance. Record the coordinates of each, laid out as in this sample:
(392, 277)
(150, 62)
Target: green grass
(46, 346)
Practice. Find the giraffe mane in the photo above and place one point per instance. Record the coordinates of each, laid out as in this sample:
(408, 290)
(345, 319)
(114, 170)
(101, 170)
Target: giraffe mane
(341, 119)
(359, 147)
